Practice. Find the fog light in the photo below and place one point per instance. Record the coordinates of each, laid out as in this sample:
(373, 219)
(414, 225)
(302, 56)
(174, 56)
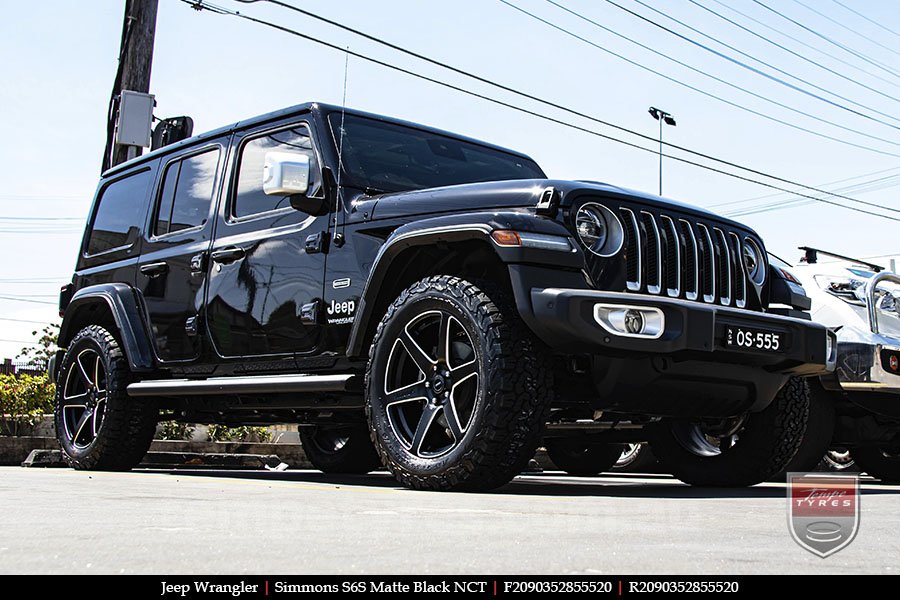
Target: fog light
(895, 364)
(630, 321)
(634, 321)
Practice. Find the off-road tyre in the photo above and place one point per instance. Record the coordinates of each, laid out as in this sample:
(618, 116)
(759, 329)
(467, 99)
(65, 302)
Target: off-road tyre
(125, 425)
(510, 406)
(819, 433)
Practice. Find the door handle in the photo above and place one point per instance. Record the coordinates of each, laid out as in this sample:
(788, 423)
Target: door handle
(228, 255)
(154, 269)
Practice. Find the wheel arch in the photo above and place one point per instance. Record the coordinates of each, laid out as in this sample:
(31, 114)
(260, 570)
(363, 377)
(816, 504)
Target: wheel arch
(462, 246)
(116, 307)
(462, 253)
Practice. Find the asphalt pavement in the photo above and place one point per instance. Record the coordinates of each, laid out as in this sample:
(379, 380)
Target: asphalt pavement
(304, 522)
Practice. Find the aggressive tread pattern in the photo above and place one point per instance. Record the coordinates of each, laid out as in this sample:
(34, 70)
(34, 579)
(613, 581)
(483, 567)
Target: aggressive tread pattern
(516, 391)
(128, 425)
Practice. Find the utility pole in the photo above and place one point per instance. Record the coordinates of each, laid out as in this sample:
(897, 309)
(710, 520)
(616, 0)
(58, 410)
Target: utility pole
(133, 72)
(663, 117)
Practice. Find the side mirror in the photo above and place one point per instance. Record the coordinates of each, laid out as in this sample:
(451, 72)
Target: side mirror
(285, 174)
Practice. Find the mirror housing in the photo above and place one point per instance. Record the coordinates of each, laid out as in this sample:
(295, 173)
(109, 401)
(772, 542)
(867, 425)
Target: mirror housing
(309, 204)
(286, 174)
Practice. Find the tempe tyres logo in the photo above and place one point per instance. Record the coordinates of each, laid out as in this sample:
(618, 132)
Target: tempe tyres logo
(823, 511)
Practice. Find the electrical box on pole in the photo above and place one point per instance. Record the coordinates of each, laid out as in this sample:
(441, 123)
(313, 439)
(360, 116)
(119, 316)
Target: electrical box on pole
(135, 119)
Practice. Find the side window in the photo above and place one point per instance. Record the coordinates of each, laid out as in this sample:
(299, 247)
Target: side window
(249, 197)
(119, 214)
(187, 192)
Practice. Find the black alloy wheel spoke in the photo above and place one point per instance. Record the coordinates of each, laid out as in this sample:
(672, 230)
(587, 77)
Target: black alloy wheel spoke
(431, 384)
(429, 413)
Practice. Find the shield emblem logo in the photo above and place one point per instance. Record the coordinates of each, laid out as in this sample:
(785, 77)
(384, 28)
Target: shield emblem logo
(823, 511)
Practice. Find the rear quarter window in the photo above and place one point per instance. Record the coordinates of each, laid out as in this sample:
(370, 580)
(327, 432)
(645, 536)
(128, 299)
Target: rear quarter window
(120, 211)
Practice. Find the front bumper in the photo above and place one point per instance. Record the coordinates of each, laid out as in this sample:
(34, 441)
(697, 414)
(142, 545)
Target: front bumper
(564, 319)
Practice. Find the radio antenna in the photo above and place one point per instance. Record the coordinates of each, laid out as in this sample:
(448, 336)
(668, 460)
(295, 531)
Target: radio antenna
(343, 114)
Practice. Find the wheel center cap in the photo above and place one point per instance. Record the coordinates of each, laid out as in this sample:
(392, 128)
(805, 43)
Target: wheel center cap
(438, 384)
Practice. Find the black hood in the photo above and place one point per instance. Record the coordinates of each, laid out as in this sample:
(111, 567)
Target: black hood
(504, 194)
(456, 198)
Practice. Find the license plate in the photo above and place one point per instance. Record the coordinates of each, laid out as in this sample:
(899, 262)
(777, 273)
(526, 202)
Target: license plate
(756, 340)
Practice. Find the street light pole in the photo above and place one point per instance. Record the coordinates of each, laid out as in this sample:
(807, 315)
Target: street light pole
(663, 117)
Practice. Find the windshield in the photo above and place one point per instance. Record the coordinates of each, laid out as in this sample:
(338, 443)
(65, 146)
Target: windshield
(388, 157)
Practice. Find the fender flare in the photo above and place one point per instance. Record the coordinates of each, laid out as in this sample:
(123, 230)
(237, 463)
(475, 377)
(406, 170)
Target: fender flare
(456, 228)
(122, 302)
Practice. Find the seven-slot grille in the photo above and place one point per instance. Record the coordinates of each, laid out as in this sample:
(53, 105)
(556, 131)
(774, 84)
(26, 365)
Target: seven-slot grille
(673, 256)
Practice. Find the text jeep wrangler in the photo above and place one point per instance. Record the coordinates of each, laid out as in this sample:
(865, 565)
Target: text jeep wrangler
(426, 302)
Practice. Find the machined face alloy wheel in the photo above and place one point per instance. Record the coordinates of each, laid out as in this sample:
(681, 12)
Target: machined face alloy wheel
(84, 399)
(431, 384)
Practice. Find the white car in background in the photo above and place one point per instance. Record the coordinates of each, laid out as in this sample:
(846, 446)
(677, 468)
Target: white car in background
(857, 407)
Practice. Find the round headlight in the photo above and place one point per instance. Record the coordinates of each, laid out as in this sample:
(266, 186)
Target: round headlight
(754, 262)
(599, 229)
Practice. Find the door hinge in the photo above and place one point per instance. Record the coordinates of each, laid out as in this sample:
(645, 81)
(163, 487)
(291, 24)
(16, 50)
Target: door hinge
(310, 313)
(317, 242)
(192, 326)
(198, 263)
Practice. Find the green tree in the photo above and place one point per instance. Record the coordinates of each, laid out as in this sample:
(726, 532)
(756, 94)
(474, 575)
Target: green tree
(46, 346)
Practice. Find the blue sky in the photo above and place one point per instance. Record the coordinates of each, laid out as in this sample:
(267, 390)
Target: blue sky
(60, 59)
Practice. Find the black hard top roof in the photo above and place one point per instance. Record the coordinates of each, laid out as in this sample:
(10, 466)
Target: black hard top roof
(299, 109)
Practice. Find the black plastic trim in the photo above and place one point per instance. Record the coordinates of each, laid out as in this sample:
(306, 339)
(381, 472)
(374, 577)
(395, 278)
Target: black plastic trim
(122, 303)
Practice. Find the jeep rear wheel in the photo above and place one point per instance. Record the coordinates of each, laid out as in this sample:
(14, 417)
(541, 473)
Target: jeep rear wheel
(579, 457)
(339, 448)
(98, 426)
(458, 389)
(736, 452)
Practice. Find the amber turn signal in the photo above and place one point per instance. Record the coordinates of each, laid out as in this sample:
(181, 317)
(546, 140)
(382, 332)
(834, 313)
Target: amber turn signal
(504, 237)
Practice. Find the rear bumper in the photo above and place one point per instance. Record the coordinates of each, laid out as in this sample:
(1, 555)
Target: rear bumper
(565, 320)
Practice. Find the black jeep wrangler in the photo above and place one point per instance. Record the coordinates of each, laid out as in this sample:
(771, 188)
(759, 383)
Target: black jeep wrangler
(426, 302)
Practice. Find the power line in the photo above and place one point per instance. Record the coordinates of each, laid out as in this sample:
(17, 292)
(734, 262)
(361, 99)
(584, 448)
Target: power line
(704, 73)
(33, 295)
(757, 60)
(797, 54)
(843, 26)
(847, 49)
(41, 218)
(872, 21)
(42, 301)
(754, 198)
(861, 188)
(25, 321)
(701, 91)
(203, 5)
(36, 279)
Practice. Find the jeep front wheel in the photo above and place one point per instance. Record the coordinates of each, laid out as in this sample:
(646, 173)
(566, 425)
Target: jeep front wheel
(98, 426)
(736, 452)
(458, 389)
